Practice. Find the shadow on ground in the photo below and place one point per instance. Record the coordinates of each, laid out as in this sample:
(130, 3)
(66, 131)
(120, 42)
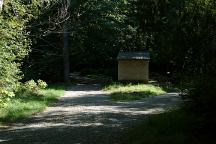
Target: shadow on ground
(85, 115)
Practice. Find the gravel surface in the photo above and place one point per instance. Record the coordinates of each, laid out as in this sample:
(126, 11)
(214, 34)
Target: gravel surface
(85, 115)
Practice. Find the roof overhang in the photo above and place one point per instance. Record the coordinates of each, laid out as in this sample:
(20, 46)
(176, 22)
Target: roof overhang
(133, 56)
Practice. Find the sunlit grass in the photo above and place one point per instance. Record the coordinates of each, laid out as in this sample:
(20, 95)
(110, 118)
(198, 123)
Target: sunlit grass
(128, 92)
(23, 106)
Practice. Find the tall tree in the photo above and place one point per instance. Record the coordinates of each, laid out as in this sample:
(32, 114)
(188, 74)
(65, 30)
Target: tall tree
(65, 16)
(1, 4)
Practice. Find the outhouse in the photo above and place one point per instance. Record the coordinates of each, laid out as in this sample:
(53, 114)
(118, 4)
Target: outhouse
(133, 66)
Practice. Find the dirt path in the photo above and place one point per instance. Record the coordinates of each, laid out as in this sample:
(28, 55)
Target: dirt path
(85, 115)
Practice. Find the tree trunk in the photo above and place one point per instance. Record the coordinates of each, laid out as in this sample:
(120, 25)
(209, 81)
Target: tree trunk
(66, 59)
(1, 4)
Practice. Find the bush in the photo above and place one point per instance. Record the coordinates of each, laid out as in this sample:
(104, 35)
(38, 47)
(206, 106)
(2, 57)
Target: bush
(32, 87)
(13, 48)
(41, 84)
(5, 96)
(14, 45)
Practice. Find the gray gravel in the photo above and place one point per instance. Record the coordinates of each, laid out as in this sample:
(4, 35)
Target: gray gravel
(85, 115)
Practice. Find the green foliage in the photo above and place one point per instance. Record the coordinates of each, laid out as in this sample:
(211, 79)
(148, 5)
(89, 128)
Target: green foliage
(41, 84)
(120, 92)
(183, 42)
(14, 45)
(181, 33)
(97, 31)
(45, 59)
(32, 87)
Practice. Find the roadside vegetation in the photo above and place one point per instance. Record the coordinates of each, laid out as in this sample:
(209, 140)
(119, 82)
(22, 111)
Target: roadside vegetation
(26, 104)
(175, 127)
(128, 92)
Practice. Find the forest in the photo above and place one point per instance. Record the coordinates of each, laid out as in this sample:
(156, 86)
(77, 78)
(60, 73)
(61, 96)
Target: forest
(43, 41)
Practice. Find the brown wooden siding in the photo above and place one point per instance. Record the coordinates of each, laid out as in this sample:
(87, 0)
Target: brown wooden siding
(133, 70)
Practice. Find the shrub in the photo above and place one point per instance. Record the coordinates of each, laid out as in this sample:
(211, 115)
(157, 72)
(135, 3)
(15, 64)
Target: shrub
(13, 48)
(5, 96)
(41, 84)
(14, 45)
(32, 87)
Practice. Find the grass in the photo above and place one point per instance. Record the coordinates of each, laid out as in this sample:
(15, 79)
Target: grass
(25, 105)
(129, 92)
(172, 127)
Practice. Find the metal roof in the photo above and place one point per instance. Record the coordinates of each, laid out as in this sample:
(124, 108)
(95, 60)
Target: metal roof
(133, 56)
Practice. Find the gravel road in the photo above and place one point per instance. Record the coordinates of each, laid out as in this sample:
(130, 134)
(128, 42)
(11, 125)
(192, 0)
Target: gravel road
(85, 115)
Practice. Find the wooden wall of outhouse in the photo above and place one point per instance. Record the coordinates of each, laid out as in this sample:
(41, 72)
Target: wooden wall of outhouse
(133, 66)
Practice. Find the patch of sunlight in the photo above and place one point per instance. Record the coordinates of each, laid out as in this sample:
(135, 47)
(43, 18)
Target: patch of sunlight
(1, 140)
(128, 92)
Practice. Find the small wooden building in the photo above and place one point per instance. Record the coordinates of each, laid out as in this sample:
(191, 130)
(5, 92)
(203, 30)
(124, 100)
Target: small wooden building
(133, 66)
